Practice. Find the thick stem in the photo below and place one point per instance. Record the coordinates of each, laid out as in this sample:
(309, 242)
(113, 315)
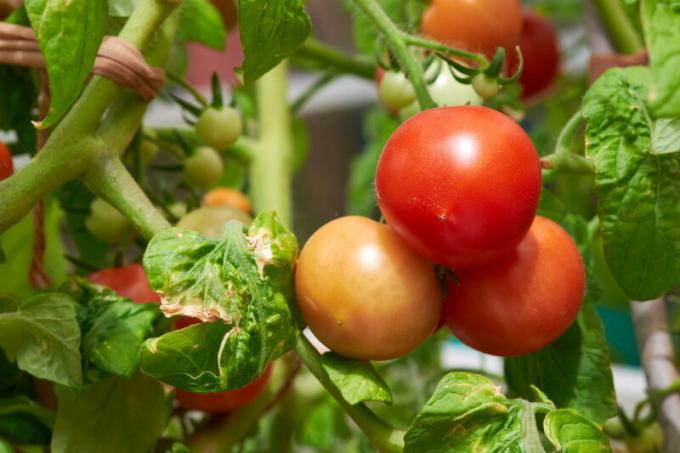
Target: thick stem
(383, 436)
(443, 49)
(336, 60)
(271, 168)
(395, 39)
(622, 34)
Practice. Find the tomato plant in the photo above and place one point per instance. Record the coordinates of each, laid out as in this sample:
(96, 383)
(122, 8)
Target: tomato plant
(128, 281)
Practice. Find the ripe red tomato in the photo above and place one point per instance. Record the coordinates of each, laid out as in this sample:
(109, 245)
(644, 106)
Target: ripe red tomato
(540, 51)
(220, 402)
(474, 25)
(128, 281)
(522, 301)
(459, 184)
(6, 163)
(363, 292)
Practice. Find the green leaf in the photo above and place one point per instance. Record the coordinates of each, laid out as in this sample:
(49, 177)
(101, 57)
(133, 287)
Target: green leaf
(357, 380)
(245, 279)
(43, 337)
(322, 425)
(570, 432)
(661, 23)
(666, 138)
(637, 190)
(16, 104)
(121, 8)
(270, 32)
(24, 421)
(200, 21)
(69, 33)
(551, 206)
(116, 415)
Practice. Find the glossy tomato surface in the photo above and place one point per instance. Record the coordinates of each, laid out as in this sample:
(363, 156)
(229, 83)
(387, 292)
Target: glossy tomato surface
(220, 402)
(540, 50)
(474, 25)
(6, 163)
(363, 292)
(522, 301)
(459, 184)
(128, 281)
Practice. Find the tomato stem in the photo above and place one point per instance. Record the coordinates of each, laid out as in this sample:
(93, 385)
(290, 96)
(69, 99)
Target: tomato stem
(396, 40)
(563, 159)
(622, 34)
(444, 49)
(336, 60)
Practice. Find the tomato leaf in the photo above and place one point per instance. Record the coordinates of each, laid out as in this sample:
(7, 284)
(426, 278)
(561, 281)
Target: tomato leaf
(69, 33)
(357, 380)
(245, 280)
(661, 23)
(200, 21)
(270, 32)
(325, 426)
(24, 421)
(41, 334)
(637, 189)
(570, 432)
(666, 138)
(112, 416)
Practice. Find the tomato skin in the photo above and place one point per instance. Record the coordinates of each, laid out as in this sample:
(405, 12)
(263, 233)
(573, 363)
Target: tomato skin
(228, 401)
(128, 281)
(474, 25)
(541, 53)
(522, 301)
(363, 292)
(395, 90)
(460, 185)
(106, 223)
(224, 196)
(204, 168)
(219, 128)
(6, 163)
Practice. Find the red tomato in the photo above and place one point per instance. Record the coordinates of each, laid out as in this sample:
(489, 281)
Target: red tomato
(540, 51)
(128, 281)
(459, 184)
(220, 402)
(522, 301)
(6, 164)
(474, 25)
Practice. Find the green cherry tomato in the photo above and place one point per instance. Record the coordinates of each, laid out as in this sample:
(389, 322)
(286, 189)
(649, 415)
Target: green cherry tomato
(395, 90)
(106, 223)
(204, 168)
(485, 86)
(209, 220)
(219, 128)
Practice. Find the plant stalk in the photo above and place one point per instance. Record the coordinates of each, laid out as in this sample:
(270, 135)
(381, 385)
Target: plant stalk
(336, 60)
(622, 34)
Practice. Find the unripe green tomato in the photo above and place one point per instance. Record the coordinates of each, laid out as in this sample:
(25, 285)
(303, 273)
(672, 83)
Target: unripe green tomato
(219, 128)
(648, 441)
(485, 86)
(209, 220)
(395, 90)
(204, 168)
(106, 223)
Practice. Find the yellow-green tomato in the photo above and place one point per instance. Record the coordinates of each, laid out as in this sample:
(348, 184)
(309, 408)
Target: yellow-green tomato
(395, 90)
(219, 128)
(209, 220)
(106, 223)
(364, 293)
(204, 168)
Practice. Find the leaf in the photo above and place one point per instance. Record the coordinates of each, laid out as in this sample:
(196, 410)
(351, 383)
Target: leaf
(270, 32)
(200, 21)
(661, 23)
(69, 33)
(637, 190)
(323, 425)
(666, 138)
(116, 415)
(24, 421)
(121, 8)
(551, 206)
(569, 432)
(16, 104)
(43, 337)
(357, 380)
(244, 280)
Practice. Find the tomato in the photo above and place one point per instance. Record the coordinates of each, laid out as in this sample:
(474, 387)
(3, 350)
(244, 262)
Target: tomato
(128, 281)
(106, 223)
(219, 128)
(459, 184)
(363, 292)
(6, 163)
(221, 402)
(204, 168)
(522, 301)
(227, 197)
(648, 441)
(540, 50)
(209, 220)
(228, 11)
(395, 90)
(474, 25)
(485, 86)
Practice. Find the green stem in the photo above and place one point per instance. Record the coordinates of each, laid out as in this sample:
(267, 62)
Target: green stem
(622, 34)
(336, 60)
(395, 39)
(271, 168)
(383, 436)
(562, 159)
(441, 48)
